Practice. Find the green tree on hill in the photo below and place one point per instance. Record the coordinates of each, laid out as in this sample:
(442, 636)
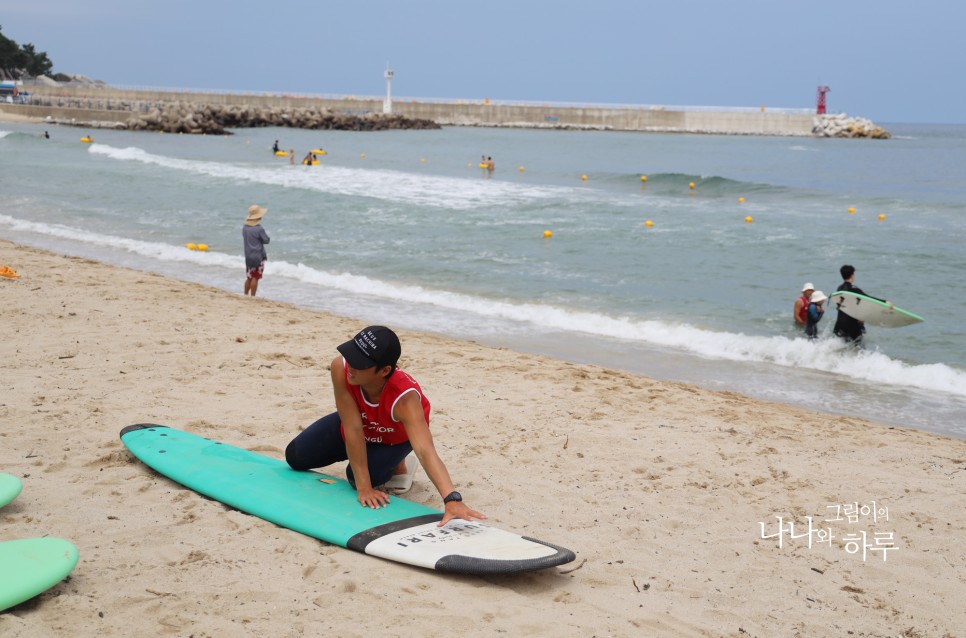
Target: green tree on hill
(14, 56)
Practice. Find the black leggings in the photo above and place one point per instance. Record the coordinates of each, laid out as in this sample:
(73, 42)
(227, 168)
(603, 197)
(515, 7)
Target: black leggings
(321, 444)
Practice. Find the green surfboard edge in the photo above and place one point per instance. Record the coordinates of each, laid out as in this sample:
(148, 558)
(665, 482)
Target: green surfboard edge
(10, 487)
(311, 503)
(31, 566)
(846, 293)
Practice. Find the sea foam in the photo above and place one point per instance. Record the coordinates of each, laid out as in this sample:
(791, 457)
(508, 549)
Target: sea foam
(423, 190)
(827, 355)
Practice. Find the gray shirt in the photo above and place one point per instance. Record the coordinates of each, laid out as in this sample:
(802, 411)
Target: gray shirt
(255, 239)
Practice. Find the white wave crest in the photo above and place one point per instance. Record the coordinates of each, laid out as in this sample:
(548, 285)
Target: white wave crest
(423, 190)
(829, 355)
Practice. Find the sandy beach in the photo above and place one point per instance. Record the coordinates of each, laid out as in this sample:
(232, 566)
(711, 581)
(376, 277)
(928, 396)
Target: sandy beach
(669, 494)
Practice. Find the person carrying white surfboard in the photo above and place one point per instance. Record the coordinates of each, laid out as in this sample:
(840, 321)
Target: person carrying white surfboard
(847, 327)
(381, 416)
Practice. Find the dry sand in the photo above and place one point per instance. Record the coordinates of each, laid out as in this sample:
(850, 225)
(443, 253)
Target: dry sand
(659, 487)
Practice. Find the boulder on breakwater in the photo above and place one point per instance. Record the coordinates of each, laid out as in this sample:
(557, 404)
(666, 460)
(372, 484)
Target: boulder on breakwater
(202, 118)
(216, 119)
(841, 125)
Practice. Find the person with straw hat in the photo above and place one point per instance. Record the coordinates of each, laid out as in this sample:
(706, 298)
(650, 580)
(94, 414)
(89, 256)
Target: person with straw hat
(255, 238)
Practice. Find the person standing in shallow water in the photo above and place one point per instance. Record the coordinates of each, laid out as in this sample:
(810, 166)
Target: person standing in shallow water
(847, 327)
(255, 238)
(815, 311)
(800, 310)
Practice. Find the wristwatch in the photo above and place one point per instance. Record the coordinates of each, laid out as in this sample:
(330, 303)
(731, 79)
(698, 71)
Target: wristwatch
(453, 496)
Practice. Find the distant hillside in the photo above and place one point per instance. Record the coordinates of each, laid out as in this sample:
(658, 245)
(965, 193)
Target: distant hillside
(17, 62)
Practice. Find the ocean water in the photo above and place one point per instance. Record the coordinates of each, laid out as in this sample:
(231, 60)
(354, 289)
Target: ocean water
(403, 228)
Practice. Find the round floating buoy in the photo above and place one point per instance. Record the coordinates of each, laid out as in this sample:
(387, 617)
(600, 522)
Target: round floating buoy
(521, 169)
(319, 151)
(362, 154)
(191, 246)
(851, 210)
(547, 234)
(649, 223)
(202, 247)
(87, 140)
(741, 200)
(691, 185)
(749, 219)
(421, 160)
(881, 218)
(643, 178)
(583, 177)
(281, 153)
(481, 165)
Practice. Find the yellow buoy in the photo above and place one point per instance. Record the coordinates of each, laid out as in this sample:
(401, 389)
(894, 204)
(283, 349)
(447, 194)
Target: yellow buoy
(521, 169)
(547, 234)
(741, 200)
(421, 160)
(643, 178)
(87, 140)
(281, 153)
(482, 165)
(749, 219)
(691, 185)
(191, 246)
(881, 218)
(649, 223)
(319, 151)
(583, 177)
(202, 247)
(362, 154)
(851, 210)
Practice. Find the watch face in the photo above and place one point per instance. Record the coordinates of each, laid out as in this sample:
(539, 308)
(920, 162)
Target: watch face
(453, 496)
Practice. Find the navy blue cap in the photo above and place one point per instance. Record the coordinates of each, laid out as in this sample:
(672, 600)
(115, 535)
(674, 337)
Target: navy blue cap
(373, 346)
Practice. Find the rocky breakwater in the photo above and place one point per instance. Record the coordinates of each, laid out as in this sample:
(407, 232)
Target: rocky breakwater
(840, 125)
(214, 119)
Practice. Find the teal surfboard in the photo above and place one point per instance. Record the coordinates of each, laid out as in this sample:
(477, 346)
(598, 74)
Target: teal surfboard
(326, 508)
(872, 311)
(31, 566)
(10, 487)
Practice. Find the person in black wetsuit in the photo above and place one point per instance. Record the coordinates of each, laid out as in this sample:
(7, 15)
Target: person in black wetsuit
(847, 327)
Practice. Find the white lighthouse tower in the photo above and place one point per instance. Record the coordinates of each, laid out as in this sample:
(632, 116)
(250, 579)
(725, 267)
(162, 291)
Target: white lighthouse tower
(387, 104)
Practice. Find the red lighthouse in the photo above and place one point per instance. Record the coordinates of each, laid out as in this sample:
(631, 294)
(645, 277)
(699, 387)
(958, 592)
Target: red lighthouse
(820, 100)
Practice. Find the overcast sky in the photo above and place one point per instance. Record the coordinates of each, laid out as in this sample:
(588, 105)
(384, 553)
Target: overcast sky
(885, 60)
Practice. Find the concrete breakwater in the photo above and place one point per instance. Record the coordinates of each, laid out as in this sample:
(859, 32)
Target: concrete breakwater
(212, 113)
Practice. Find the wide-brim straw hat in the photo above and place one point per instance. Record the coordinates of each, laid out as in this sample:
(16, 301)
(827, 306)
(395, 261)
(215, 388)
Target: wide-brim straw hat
(255, 214)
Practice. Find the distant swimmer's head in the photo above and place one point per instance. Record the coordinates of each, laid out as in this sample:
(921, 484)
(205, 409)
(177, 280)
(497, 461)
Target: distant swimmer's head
(375, 346)
(847, 271)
